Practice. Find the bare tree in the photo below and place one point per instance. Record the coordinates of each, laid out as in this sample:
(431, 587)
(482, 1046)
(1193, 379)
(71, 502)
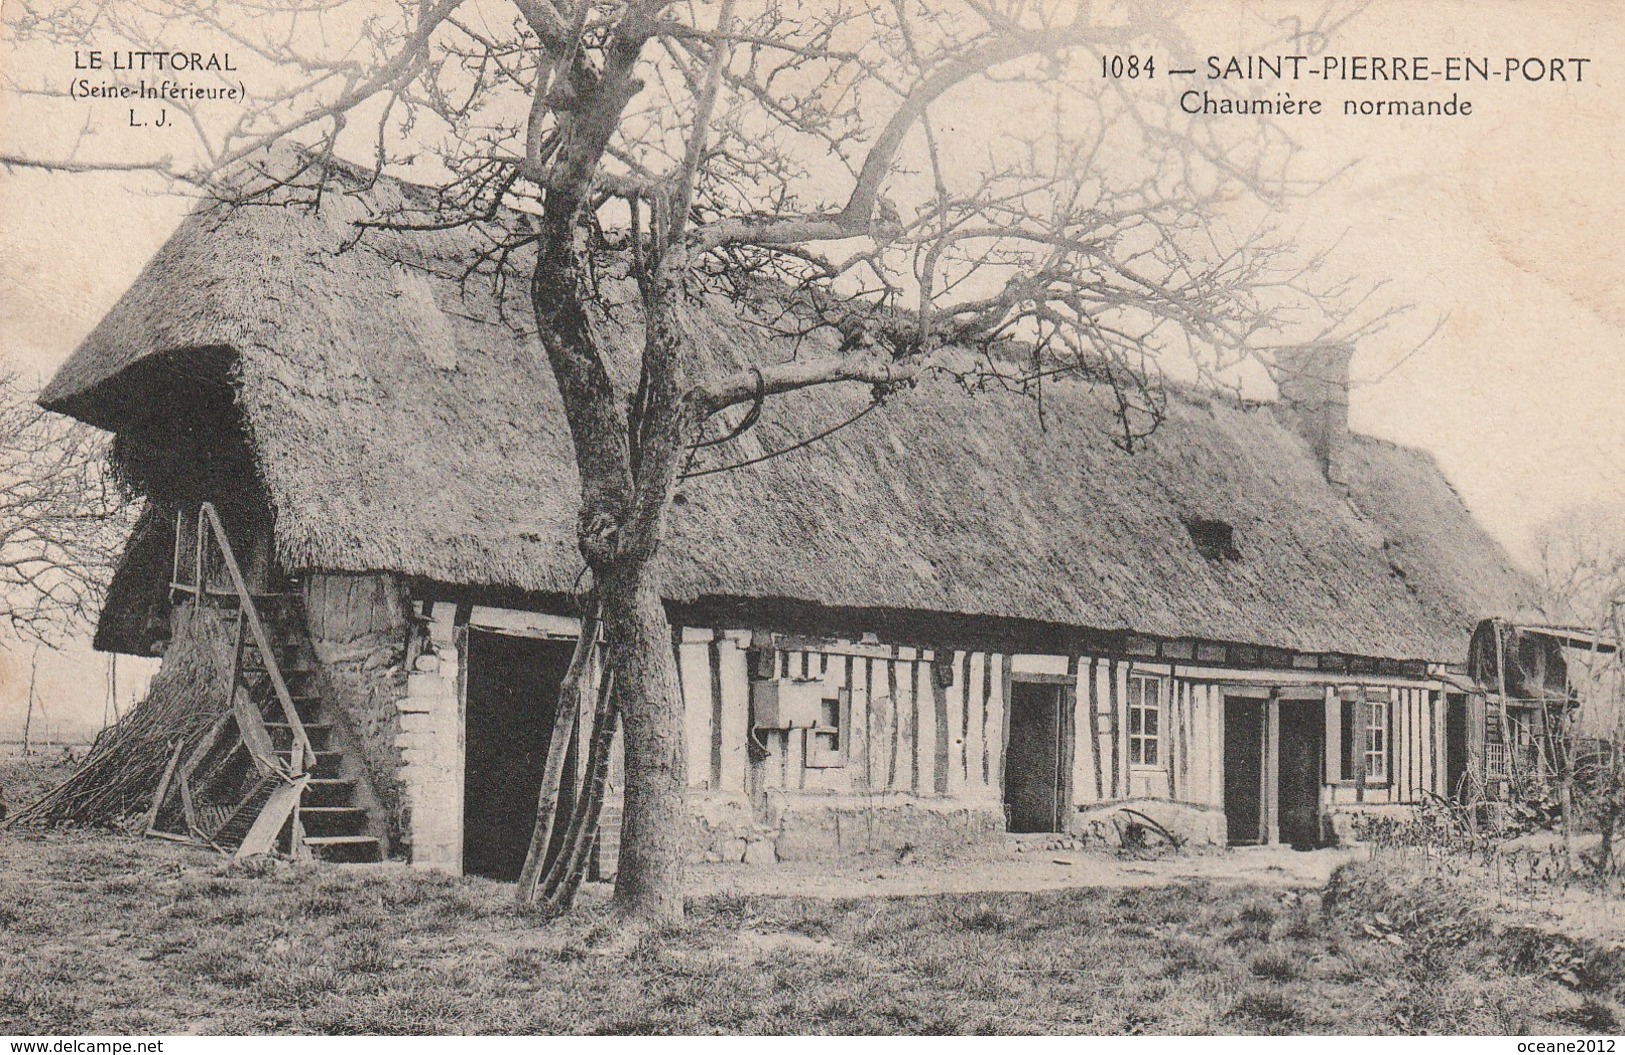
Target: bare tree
(1580, 570)
(62, 519)
(798, 156)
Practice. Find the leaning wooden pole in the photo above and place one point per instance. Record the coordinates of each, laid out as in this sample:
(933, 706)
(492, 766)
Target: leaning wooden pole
(558, 750)
(28, 719)
(568, 868)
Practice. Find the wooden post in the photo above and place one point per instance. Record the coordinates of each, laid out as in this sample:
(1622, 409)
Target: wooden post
(1069, 744)
(939, 707)
(28, 719)
(1271, 769)
(1094, 728)
(1111, 698)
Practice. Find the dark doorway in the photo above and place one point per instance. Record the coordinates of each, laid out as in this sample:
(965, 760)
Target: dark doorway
(1302, 756)
(1036, 789)
(1455, 743)
(512, 697)
(1244, 770)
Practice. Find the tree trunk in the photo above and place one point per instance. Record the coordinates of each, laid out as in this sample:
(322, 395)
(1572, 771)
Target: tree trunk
(649, 879)
(629, 459)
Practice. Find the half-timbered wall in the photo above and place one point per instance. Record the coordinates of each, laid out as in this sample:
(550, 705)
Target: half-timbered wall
(930, 726)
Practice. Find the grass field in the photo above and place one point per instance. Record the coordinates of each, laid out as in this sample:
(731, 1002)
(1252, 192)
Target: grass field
(24, 779)
(104, 934)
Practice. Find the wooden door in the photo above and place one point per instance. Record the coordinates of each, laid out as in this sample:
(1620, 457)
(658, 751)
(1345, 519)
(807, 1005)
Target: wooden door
(1302, 754)
(1035, 784)
(1244, 770)
(512, 698)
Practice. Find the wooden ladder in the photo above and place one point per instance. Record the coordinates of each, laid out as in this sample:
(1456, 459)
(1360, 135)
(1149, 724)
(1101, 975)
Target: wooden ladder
(272, 772)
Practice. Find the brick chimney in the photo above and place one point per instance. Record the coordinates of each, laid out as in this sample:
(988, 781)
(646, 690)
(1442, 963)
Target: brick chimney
(1314, 385)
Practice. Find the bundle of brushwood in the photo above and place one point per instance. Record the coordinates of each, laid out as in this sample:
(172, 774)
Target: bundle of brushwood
(121, 773)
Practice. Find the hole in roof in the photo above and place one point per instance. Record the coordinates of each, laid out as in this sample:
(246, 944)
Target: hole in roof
(1215, 539)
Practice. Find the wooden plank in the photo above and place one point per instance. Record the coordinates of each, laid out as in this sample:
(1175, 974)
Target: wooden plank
(163, 787)
(1437, 718)
(855, 706)
(1119, 752)
(1272, 769)
(1197, 743)
(829, 646)
(993, 680)
(997, 709)
(1094, 727)
(256, 738)
(1190, 774)
(1424, 728)
(1003, 711)
(1403, 745)
(1419, 744)
(1120, 713)
(716, 742)
(1399, 733)
(1334, 735)
(1424, 743)
(893, 715)
(173, 837)
(261, 837)
(976, 692)
(880, 741)
(701, 704)
(1208, 745)
(943, 713)
(1398, 729)
(908, 683)
(1175, 733)
(926, 726)
(795, 759)
(1083, 761)
(1026, 663)
(962, 696)
(1069, 742)
(858, 678)
(734, 681)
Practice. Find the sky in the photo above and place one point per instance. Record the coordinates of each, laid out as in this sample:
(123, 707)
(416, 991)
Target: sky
(1501, 228)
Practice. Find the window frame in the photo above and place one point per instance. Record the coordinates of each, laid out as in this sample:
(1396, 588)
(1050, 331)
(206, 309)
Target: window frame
(1356, 751)
(1141, 739)
(1375, 709)
(816, 756)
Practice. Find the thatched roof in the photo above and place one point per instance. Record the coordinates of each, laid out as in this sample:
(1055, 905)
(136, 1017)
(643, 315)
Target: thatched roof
(397, 425)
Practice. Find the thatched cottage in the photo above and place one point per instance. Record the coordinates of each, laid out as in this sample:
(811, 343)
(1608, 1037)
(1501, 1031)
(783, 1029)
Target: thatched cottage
(944, 621)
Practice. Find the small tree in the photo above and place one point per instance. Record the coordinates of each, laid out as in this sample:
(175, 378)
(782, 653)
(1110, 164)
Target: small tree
(62, 519)
(802, 157)
(1580, 569)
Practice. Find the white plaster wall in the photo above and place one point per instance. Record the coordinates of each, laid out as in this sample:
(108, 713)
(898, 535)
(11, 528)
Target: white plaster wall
(431, 745)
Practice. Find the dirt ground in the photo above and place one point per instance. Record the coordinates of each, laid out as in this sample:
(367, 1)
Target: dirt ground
(1024, 872)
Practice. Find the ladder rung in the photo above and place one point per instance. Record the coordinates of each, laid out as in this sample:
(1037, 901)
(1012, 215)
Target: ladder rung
(339, 840)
